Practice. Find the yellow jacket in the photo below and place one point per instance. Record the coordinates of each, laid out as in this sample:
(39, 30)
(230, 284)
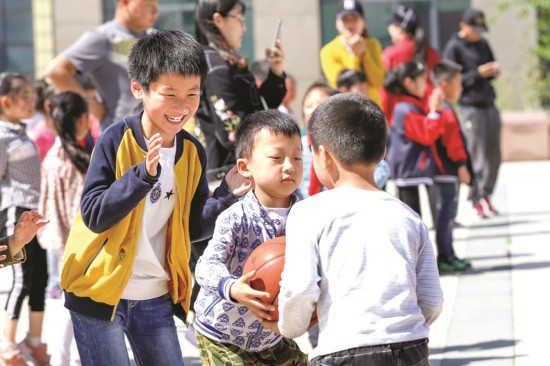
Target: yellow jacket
(102, 243)
(335, 57)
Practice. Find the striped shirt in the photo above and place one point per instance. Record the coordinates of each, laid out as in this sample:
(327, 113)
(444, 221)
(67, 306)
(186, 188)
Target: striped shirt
(19, 168)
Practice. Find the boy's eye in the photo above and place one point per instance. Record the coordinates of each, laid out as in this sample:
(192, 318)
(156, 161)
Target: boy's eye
(275, 157)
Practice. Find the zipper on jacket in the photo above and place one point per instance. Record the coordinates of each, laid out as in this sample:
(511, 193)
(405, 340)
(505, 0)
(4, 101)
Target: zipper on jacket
(95, 256)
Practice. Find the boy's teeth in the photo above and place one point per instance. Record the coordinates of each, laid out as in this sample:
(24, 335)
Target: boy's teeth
(174, 119)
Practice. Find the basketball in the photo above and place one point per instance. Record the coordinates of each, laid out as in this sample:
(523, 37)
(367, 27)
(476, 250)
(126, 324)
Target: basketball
(268, 259)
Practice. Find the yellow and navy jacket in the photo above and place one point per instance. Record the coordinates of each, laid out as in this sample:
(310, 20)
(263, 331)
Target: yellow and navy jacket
(102, 243)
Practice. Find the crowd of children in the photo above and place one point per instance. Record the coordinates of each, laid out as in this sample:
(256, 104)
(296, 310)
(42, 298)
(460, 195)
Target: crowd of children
(110, 232)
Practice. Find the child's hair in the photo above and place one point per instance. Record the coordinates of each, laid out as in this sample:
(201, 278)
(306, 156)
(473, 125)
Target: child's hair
(445, 71)
(406, 18)
(11, 83)
(207, 32)
(43, 93)
(260, 70)
(163, 52)
(394, 80)
(319, 85)
(66, 109)
(278, 123)
(349, 77)
(351, 126)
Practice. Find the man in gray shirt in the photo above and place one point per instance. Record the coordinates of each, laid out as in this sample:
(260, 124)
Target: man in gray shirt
(102, 52)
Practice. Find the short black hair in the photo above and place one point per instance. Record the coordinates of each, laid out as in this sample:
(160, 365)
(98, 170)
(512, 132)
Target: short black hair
(395, 78)
(445, 71)
(351, 126)
(168, 51)
(277, 122)
(349, 77)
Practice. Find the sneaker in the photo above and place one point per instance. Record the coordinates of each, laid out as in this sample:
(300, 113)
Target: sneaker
(461, 264)
(39, 354)
(490, 206)
(11, 357)
(480, 210)
(445, 266)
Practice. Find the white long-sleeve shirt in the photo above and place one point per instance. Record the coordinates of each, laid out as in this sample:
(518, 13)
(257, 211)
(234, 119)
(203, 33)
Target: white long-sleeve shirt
(365, 262)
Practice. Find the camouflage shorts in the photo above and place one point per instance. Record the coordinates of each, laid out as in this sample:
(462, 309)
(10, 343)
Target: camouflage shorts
(284, 353)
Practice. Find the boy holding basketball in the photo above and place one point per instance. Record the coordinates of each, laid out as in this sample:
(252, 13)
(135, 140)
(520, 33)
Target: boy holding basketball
(228, 329)
(356, 254)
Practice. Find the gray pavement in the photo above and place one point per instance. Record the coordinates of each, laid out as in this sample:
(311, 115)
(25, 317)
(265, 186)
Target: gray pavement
(495, 314)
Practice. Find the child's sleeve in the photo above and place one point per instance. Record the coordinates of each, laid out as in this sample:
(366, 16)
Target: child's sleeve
(422, 129)
(428, 287)
(299, 291)
(107, 200)
(452, 139)
(205, 209)
(212, 269)
(20, 257)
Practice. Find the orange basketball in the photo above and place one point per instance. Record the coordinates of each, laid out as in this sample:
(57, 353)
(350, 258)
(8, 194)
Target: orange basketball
(268, 259)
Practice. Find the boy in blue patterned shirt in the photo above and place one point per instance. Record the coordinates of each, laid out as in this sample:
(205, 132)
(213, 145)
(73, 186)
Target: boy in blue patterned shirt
(228, 310)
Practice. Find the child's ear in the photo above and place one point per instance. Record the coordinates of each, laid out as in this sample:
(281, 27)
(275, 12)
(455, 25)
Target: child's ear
(137, 89)
(5, 102)
(325, 157)
(242, 167)
(217, 19)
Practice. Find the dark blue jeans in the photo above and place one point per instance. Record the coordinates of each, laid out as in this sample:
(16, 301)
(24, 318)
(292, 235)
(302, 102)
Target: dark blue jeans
(149, 326)
(412, 353)
(446, 212)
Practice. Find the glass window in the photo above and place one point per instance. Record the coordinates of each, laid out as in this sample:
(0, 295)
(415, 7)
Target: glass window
(16, 38)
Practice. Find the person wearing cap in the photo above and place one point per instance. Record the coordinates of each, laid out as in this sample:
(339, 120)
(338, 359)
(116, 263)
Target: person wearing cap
(353, 48)
(480, 119)
(408, 44)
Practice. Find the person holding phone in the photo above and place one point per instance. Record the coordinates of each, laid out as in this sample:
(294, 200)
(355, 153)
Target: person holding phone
(354, 49)
(230, 92)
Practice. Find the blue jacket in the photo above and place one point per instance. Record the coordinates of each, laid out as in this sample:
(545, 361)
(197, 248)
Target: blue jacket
(412, 134)
(102, 243)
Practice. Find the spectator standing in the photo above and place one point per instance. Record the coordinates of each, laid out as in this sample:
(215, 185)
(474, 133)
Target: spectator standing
(19, 192)
(354, 48)
(479, 117)
(290, 95)
(62, 178)
(230, 92)
(103, 53)
(409, 44)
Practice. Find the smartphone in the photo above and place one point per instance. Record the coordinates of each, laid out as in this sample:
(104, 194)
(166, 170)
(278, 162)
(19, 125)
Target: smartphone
(277, 35)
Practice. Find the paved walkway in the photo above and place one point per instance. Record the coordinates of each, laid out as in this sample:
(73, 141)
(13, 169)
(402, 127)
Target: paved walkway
(495, 314)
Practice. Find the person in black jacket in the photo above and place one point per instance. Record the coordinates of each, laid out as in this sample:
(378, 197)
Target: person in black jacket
(230, 92)
(480, 119)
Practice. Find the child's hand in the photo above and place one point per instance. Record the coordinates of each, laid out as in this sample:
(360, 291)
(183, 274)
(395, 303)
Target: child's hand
(3, 248)
(436, 99)
(246, 295)
(237, 183)
(272, 326)
(26, 228)
(464, 175)
(153, 155)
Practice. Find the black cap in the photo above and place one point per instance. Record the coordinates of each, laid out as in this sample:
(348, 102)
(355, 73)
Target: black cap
(476, 19)
(350, 7)
(404, 17)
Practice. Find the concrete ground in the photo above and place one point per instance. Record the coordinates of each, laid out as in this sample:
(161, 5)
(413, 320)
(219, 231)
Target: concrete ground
(494, 314)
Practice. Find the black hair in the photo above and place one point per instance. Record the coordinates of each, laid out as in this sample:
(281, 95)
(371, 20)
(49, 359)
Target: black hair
(11, 83)
(167, 51)
(445, 71)
(44, 91)
(278, 123)
(349, 77)
(406, 18)
(394, 81)
(319, 85)
(351, 126)
(66, 108)
(207, 32)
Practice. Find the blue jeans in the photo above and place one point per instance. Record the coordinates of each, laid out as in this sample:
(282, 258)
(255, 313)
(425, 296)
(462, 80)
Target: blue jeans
(446, 212)
(412, 353)
(149, 326)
